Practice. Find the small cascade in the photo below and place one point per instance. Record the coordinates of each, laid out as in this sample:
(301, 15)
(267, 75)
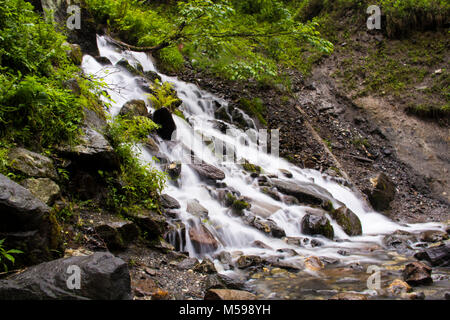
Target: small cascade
(208, 225)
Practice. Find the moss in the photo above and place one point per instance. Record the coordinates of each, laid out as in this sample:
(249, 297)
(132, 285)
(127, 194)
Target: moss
(255, 108)
(252, 168)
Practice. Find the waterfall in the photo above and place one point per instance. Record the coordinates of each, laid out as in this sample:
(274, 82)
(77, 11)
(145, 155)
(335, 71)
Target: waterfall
(231, 231)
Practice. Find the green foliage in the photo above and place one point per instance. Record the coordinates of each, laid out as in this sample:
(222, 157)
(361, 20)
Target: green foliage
(164, 96)
(7, 255)
(254, 107)
(140, 183)
(36, 107)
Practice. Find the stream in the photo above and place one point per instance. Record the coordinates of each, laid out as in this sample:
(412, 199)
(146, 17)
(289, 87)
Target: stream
(346, 258)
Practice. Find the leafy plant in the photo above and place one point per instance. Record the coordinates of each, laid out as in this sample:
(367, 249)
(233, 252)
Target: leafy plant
(164, 96)
(7, 255)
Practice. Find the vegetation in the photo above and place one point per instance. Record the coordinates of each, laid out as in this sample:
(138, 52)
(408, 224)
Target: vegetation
(140, 182)
(7, 255)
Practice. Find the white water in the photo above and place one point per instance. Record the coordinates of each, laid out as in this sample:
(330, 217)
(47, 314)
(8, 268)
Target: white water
(230, 230)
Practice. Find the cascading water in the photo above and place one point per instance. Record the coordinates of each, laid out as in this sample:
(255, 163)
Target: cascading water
(233, 234)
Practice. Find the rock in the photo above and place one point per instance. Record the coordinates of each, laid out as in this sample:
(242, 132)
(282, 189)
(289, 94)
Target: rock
(286, 173)
(417, 273)
(152, 76)
(347, 220)
(263, 209)
(151, 145)
(173, 169)
(31, 164)
(382, 192)
(433, 236)
(437, 256)
(314, 263)
(194, 207)
(104, 61)
(228, 294)
(27, 224)
(225, 259)
(400, 241)
(75, 54)
(94, 120)
(398, 287)
(248, 261)
(167, 202)
(348, 296)
(151, 223)
(134, 108)
(163, 117)
(136, 71)
(306, 193)
(221, 281)
(116, 233)
(208, 172)
(188, 263)
(317, 224)
(202, 240)
(93, 152)
(267, 226)
(103, 277)
(206, 266)
(43, 188)
(261, 245)
(222, 114)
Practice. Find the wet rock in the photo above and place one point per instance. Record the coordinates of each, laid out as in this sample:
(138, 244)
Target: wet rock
(306, 193)
(104, 61)
(251, 168)
(188, 263)
(328, 260)
(43, 188)
(222, 114)
(173, 169)
(31, 164)
(202, 240)
(347, 220)
(286, 173)
(417, 273)
(151, 223)
(152, 76)
(348, 296)
(194, 207)
(164, 118)
(248, 261)
(398, 287)
(168, 202)
(221, 281)
(263, 209)
(433, 236)
(103, 277)
(382, 192)
(206, 266)
(317, 224)
(151, 145)
(261, 245)
(277, 262)
(314, 263)
(271, 193)
(138, 70)
(400, 241)
(134, 108)
(290, 200)
(225, 258)
(437, 256)
(296, 241)
(208, 172)
(93, 152)
(267, 226)
(228, 294)
(27, 224)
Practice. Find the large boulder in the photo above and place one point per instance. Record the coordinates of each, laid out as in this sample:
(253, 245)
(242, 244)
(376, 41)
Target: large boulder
(134, 108)
(168, 202)
(228, 294)
(102, 277)
(317, 224)
(31, 164)
(207, 172)
(436, 256)
(151, 223)
(194, 207)
(164, 118)
(27, 224)
(305, 193)
(382, 192)
(202, 239)
(417, 273)
(93, 151)
(44, 189)
(347, 220)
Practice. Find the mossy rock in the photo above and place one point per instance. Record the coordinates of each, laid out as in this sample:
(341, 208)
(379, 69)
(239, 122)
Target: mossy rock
(347, 220)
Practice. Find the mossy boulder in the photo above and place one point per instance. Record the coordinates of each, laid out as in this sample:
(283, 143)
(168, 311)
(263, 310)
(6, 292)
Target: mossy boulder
(317, 224)
(348, 221)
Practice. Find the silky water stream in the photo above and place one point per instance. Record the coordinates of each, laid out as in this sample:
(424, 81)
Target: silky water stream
(346, 259)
